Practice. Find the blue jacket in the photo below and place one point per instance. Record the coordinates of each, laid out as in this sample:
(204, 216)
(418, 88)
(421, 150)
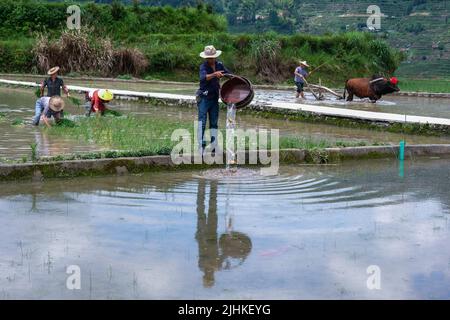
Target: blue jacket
(210, 89)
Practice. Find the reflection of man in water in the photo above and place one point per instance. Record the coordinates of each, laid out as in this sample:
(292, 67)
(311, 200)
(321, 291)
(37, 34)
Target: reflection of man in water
(214, 254)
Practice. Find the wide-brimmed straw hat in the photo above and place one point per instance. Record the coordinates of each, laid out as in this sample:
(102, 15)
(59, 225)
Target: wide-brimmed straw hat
(56, 103)
(53, 71)
(210, 52)
(105, 95)
(304, 63)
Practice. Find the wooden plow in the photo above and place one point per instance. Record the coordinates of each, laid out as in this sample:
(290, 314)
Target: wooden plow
(321, 90)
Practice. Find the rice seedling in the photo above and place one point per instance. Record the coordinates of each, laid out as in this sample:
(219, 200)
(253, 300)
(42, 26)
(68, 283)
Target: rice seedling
(75, 101)
(34, 152)
(66, 123)
(133, 136)
(17, 122)
(113, 113)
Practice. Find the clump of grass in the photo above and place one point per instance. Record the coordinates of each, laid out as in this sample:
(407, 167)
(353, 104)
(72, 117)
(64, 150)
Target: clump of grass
(266, 54)
(129, 61)
(83, 51)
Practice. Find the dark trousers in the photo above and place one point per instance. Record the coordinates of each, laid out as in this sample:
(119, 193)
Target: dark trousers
(208, 108)
(299, 86)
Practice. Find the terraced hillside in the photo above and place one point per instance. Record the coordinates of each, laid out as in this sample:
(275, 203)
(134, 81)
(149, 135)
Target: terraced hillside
(421, 31)
(421, 28)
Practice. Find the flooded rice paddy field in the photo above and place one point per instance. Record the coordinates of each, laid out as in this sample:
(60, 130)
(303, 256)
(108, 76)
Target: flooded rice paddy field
(421, 106)
(19, 103)
(308, 232)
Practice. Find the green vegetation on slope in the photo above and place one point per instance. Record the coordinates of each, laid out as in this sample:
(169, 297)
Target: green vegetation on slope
(171, 39)
(24, 17)
(420, 28)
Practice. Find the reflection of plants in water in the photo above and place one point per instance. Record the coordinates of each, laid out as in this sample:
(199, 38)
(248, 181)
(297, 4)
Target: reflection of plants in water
(34, 152)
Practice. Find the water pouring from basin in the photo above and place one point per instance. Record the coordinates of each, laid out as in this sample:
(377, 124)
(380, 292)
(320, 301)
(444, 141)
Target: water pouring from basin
(230, 127)
(236, 93)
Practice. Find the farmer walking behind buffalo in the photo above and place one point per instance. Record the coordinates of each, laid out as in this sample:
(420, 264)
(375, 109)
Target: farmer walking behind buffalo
(300, 75)
(373, 88)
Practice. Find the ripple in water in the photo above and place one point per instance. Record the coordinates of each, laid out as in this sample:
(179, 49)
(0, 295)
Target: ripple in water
(226, 174)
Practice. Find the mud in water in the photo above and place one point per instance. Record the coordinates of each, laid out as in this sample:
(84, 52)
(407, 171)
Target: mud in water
(309, 232)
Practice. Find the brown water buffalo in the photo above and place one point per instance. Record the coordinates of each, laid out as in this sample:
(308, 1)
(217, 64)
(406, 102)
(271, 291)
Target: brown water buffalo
(373, 88)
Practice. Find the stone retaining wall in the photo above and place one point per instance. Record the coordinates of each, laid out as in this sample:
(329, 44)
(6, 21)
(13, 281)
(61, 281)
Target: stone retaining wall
(120, 166)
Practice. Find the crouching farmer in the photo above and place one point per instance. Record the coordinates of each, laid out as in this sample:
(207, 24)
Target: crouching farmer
(96, 101)
(48, 107)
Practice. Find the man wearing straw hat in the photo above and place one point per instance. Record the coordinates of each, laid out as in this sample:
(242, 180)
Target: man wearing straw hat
(300, 75)
(49, 107)
(54, 84)
(211, 71)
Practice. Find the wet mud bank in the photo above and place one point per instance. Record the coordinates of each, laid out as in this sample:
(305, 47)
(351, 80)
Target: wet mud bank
(46, 168)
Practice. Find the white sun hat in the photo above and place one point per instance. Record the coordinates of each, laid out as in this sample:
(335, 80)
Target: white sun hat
(210, 52)
(304, 63)
(53, 71)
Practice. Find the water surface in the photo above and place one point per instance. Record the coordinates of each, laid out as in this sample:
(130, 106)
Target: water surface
(309, 232)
